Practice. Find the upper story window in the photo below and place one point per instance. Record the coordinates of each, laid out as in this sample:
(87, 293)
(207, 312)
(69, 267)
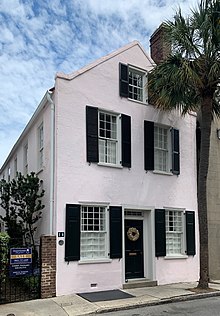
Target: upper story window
(133, 83)
(15, 167)
(26, 158)
(9, 174)
(40, 146)
(136, 85)
(108, 137)
(161, 148)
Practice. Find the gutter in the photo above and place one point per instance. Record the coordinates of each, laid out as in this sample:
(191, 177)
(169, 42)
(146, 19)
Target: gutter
(52, 158)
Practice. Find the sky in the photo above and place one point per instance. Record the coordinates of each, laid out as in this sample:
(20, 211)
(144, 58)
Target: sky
(39, 38)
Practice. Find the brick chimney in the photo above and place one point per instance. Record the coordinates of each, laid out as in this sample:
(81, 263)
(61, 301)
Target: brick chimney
(159, 50)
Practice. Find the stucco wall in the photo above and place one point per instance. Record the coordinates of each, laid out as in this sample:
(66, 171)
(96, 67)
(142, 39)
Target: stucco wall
(77, 181)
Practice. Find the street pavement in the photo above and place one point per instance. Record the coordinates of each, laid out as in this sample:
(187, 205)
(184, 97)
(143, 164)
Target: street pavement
(73, 305)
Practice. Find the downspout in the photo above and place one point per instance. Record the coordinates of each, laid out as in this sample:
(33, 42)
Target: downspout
(52, 158)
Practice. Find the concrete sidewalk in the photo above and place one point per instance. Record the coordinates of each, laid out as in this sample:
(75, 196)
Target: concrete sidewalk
(73, 305)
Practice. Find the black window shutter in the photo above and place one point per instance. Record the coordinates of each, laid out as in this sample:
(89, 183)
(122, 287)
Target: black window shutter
(123, 80)
(126, 140)
(160, 233)
(148, 145)
(72, 234)
(115, 232)
(190, 233)
(175, 151)
(92, 134)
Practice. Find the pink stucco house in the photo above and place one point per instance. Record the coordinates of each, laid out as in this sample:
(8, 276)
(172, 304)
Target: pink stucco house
(120, 178)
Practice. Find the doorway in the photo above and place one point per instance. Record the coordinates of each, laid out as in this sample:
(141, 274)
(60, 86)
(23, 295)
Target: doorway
(134, 254)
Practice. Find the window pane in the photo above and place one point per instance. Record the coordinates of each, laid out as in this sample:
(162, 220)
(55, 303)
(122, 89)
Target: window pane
(107, 138)
(174, 232)
(101, 150)
(161, 148)
(111, 152)
(93, 233)
(135, 85)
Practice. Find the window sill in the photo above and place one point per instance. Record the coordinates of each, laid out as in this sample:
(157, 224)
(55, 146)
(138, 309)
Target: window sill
(163, 173)
(136, 101)
(170, 257)
(109, 165)
(92, 261)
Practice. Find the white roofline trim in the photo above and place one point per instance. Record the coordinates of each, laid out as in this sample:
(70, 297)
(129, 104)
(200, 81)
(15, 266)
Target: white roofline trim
(102, 60)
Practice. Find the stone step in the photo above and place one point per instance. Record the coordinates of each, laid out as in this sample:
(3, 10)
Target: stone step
(137, 283)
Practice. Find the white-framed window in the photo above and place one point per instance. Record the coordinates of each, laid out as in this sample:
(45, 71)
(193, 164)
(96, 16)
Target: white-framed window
(133, 83)
(162, 148)
(93, 240)
(108, 138)
(40, 146)
(26, 158)
(136, 85)
(174, 232)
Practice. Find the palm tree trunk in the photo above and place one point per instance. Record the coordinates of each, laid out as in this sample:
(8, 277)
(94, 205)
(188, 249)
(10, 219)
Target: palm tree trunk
(206, 121)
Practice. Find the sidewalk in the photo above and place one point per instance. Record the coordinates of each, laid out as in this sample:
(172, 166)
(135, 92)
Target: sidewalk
(74, 305)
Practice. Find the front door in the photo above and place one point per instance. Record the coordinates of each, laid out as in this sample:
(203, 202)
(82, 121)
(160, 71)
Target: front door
(134, 263)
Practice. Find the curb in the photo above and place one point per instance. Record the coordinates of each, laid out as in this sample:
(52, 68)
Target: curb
(175, 299)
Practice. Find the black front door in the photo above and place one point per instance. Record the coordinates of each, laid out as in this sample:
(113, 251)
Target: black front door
(134, 267)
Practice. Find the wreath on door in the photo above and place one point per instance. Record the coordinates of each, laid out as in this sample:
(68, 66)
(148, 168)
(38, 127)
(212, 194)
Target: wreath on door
(133, 234)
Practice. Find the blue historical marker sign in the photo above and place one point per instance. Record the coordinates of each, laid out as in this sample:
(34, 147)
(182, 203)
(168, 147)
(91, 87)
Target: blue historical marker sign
(20, 261)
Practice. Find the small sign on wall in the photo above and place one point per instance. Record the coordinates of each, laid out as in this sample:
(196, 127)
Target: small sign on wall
(20, 261)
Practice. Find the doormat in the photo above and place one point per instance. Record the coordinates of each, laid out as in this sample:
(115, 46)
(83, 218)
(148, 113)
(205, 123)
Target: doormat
(105, 295)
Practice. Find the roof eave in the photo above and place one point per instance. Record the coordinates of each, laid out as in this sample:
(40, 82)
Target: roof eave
(41, 105)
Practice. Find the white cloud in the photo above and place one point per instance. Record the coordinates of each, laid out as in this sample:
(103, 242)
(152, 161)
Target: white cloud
(14, 8)
(39, 38)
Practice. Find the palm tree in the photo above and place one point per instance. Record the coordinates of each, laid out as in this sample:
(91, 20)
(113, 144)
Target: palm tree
(189, 80)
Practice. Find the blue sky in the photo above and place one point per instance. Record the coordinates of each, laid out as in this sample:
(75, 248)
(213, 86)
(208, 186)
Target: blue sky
(41, 37)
